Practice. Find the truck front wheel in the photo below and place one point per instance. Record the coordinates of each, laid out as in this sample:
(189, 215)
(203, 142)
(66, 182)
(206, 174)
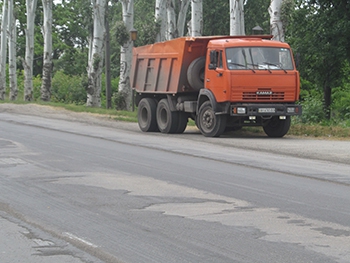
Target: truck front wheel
(146, 115)
(210, 124)
(166, 119)
(277, 127)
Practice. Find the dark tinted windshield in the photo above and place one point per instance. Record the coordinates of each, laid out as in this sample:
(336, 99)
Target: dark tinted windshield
(264, 58)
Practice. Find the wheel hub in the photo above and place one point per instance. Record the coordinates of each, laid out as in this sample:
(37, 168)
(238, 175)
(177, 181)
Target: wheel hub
(208, 119)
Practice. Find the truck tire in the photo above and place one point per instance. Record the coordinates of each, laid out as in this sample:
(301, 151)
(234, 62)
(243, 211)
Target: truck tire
(167, 120)
(277, 128)
(182, 122)
(210, 124)
(146, 115)
(195, 73)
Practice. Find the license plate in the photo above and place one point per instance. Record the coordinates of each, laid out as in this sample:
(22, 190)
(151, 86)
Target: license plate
(267, 110)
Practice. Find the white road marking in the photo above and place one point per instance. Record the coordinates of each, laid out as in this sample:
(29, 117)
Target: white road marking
(71, 236)
(12, 161)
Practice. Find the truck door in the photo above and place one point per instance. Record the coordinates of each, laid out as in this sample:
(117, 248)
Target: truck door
(215, 76)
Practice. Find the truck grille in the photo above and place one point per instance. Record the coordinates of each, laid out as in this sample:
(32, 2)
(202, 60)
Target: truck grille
(275, 96)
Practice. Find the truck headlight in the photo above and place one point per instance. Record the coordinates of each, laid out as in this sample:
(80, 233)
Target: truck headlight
(241, 110)
(291, 110)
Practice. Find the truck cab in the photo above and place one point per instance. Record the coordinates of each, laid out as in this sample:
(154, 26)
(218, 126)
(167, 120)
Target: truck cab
(254, 82)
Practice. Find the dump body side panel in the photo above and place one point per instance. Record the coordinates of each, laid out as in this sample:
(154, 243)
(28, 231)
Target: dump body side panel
(162, 67)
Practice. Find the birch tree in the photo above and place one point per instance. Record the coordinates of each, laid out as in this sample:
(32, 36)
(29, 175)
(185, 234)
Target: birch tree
(3, 50)
(176, 27)
(96, 54)
(124, 92)
(237, 17)
(47, 56)
(29, 53)
(171, 31)
(161, 18)
(276, 25)
(196, 18)
(12, 40)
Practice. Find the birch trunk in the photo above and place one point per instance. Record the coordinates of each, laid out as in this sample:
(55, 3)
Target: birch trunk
(181, 19)
(96, 54)
(171, 20)
(28, 62)
(237, 27)
(160, 16)
(196, 18)
(175, 27)
(3, 50)
(47, 56)
(124, 91)
(12, 52)
(276, 25)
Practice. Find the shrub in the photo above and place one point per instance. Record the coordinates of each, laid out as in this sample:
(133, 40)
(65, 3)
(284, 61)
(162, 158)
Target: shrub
(68, 89)
(341, 103)
(313, 110)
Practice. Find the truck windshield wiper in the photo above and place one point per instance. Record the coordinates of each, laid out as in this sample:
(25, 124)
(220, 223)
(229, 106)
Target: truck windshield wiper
(245, 59)
(275, 65)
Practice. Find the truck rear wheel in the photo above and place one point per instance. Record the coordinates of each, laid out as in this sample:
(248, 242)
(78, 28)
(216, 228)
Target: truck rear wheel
(167, 120)
(182, 122)
(277, 127)
(195, 73)
(210, 124)
(146, 115)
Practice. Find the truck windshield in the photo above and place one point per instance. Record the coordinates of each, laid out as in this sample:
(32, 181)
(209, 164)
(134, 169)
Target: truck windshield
(259, 58)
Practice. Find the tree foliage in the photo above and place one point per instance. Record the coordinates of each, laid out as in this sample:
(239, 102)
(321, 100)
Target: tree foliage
(319, 32)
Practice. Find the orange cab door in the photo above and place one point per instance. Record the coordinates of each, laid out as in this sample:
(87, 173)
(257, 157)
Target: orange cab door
(215, 76)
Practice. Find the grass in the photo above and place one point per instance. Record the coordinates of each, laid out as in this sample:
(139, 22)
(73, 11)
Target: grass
(322, 131)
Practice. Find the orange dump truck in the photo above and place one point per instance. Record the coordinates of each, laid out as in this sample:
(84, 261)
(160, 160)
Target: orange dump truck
(221, 82)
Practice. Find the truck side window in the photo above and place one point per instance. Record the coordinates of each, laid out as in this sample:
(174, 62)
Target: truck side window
(215, 59)
(218, 55)
(220, 64)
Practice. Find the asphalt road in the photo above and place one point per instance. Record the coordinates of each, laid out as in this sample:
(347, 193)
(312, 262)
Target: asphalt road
(78, 188)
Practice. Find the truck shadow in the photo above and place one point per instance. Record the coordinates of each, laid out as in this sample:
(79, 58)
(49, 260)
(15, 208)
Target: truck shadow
(243, 133)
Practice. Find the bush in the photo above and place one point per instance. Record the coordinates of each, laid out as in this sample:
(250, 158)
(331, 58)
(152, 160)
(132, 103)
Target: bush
(341, 103)
(313, 110)
(68, 89)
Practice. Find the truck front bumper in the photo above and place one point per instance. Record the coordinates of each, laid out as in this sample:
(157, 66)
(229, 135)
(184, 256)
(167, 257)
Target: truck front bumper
(265, 109)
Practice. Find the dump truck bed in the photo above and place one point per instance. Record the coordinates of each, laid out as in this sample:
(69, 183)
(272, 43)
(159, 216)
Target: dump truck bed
(162, 67)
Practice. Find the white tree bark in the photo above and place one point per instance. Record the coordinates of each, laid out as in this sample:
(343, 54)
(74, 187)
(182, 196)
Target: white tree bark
(96, 54)
(12, 43)
(171, 31)
(28, 62)
(47, 56)
(276, 25)
(161, 17)
(181, 20)
(124, 91)
(237, 27)
(3, 50)
(196, 18)
(175, 27)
